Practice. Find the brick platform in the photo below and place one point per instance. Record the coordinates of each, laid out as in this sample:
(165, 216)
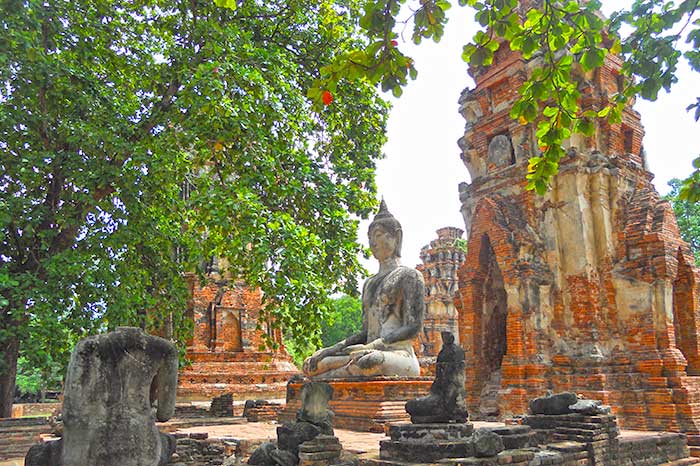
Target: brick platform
(225, 348)
(364, 404)
(246, 375)
(18, 435)
(261, 410)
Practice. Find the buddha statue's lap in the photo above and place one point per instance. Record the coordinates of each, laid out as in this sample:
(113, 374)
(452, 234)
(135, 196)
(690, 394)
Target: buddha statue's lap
(392, 316)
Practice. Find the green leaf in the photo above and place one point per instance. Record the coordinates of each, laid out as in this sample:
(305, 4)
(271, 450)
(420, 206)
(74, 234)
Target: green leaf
(230, 4)
(550, 111)
(592, 59)
(604, 112)
(444, 5)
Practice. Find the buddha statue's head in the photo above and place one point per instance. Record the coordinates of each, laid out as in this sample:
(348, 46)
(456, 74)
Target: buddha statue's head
(385, 234)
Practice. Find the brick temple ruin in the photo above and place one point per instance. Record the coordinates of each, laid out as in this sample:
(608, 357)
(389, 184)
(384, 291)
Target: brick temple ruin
(225, 349)
(441, 260)
(588, 288)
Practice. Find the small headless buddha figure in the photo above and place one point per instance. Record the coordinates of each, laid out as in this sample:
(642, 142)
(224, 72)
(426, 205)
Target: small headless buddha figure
(392, 315)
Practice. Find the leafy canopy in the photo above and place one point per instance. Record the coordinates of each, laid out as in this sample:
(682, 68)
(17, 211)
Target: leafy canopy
(138, 139)
(560, 36)
(343, 319)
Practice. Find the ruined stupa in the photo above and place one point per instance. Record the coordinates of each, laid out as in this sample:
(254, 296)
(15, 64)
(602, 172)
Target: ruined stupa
(588, 288)
(228, 351)
(441, 259)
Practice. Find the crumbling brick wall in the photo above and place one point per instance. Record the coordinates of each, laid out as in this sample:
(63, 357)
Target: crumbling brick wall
(228, 351)
(600, 290)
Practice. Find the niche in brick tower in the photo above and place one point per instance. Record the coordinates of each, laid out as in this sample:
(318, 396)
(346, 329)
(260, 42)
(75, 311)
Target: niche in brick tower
(494, 310)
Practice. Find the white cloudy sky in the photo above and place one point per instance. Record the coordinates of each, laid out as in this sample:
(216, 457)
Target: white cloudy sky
(420, 174)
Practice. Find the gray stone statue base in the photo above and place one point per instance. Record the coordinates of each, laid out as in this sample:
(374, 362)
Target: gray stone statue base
(426, 443)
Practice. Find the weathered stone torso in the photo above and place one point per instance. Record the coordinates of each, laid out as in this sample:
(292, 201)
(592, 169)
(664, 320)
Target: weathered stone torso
(386, 301)
(107, 412)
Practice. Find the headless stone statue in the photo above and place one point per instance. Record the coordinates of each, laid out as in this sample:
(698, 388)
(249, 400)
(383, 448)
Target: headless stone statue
(314, 422)
(447, 399)
(111, 382)
(392, 315)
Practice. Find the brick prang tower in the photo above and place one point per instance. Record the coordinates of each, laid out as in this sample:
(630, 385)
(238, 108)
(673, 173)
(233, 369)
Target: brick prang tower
(441, 260)
(588, 288)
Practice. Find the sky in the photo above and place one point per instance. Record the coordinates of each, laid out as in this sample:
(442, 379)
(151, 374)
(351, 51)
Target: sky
(422, 169)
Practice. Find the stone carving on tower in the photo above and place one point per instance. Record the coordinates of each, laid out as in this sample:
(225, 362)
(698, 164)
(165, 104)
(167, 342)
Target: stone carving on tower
(441, 260)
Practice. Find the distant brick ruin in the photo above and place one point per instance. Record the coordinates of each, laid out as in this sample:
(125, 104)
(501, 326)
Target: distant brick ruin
(588, 288)
(225, 350)
(441, 260)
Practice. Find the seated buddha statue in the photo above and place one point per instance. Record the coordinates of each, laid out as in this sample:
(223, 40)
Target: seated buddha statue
(392, 315)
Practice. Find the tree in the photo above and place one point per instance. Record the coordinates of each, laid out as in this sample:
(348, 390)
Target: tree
(138, 139)
(35, 381)
(343, 319)
(687, 216)
(563, 38)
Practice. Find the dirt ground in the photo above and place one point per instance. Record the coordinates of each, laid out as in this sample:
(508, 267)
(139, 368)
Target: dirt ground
(354, 442)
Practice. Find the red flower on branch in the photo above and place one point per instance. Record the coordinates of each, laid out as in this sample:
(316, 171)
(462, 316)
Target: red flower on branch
(327, 97)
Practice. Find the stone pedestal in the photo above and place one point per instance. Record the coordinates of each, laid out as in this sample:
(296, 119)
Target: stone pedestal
(425, 443)
(321, 451)
(364, 404)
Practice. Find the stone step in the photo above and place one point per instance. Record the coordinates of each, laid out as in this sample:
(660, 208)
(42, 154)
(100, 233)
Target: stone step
(17, 435)
(14, 451)
(567, 446)
(239, 356)
(231, 370)
(207, 391)
(424, 453)
(25, 430)
(682, 462)
(240, 388)
(5, 445)
(227, 377)
(694, 451)
(242, 366)
(12, 422)
(575, 431)
(8, 441)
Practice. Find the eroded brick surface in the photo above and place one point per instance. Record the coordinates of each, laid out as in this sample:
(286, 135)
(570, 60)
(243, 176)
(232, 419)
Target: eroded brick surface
(227, 350)
(441, 259)
(588, 288)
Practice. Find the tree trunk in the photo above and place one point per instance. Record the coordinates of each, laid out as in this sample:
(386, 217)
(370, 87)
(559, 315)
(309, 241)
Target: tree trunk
(9, 351)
